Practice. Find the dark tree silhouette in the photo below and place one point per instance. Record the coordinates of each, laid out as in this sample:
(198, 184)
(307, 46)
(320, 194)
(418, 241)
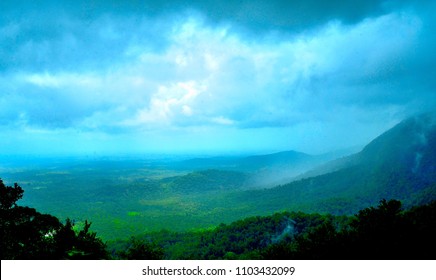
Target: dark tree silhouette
(142, 250)
(382, 232)
(27, 234)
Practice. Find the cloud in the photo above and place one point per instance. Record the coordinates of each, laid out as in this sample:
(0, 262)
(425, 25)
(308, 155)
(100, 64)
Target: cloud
(64, 42)
(254, 15)
(206, 74)
(208, 66)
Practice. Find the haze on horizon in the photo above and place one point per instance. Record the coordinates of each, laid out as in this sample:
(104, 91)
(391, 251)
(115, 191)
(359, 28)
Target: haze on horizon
(108, 77)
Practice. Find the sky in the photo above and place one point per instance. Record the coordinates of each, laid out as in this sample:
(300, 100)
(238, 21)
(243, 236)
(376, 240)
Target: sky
(137, 77)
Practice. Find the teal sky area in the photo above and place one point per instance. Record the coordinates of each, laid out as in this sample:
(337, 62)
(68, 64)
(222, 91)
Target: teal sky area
(132, 77)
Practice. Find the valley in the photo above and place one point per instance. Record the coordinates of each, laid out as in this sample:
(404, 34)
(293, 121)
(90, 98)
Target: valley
(125, 197)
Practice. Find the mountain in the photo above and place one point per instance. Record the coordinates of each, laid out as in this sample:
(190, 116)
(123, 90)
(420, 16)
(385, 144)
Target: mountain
(264, 170)
(409, 145)
(399, 164)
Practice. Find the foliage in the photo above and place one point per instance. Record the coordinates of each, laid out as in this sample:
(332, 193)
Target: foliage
(28, 234)
(142, 250)
(383, 232)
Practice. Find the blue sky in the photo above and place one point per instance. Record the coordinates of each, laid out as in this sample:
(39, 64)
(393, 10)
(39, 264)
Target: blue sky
(117, 77)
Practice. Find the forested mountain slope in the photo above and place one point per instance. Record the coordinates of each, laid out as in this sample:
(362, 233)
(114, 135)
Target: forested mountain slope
(399, 164)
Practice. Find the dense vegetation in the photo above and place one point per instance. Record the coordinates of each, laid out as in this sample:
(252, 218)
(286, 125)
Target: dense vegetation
(27, 234)
(384, 232)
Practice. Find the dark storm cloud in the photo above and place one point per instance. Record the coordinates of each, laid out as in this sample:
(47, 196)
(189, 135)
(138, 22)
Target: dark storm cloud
(176, 68)
(296, 14)
(39, 43)
(46, 35)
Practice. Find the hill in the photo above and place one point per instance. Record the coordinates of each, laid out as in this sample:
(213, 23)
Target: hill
(399, 164)
(267, 170)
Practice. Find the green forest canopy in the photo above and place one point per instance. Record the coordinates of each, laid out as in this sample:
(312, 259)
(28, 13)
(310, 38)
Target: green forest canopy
(383, 232)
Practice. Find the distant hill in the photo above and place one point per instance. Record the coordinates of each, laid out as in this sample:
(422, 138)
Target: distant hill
(265, 170)
(249, 163)
(399, 164)
(205, 181)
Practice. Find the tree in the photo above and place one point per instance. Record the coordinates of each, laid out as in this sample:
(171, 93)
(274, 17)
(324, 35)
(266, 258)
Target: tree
(141, 250)
(27, 234)
(89, 245)
(379, 231)
(9, 195)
